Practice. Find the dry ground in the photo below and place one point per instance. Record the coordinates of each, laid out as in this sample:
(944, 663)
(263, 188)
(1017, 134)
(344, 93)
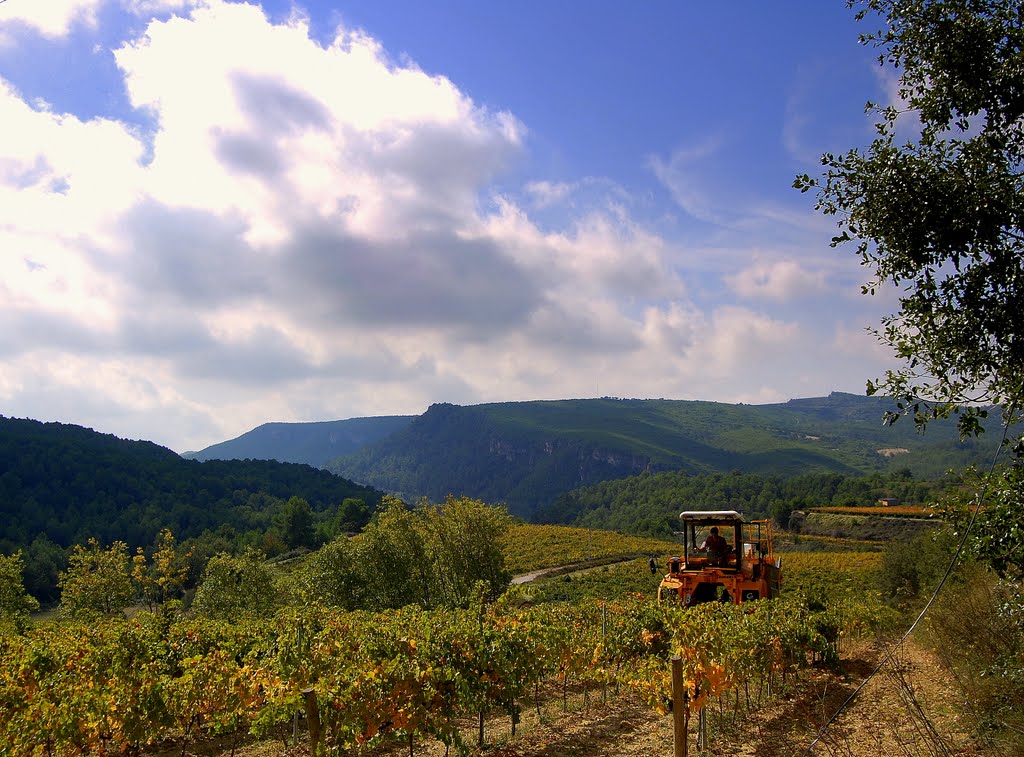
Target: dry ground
(911, 708)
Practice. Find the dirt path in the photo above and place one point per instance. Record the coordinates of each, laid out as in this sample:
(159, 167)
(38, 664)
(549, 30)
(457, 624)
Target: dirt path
(571, 569)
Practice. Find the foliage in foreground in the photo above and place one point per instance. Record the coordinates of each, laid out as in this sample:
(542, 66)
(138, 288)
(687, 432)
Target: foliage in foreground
(977, 628)
(410, 674)
(997, 536)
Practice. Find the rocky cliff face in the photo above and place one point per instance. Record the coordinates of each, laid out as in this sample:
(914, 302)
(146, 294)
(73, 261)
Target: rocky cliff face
(532, 454)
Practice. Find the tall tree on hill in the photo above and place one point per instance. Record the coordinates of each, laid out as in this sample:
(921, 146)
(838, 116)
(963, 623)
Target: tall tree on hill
(297, 523)
(430, 555)
(934, 205)
(464, 548)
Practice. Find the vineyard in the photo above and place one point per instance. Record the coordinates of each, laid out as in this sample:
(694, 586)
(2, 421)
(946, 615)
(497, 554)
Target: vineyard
(360, 679)
(533, 547)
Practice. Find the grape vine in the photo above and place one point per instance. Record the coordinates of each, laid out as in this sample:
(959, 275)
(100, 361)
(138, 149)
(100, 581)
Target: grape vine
(410, 674)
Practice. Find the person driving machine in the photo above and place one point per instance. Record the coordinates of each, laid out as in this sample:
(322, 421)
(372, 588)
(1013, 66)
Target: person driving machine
(716, 546)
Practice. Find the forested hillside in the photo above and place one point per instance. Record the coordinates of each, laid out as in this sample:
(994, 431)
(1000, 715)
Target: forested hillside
(310, 443)
(61, 484)
(527, 454)
(649, 504)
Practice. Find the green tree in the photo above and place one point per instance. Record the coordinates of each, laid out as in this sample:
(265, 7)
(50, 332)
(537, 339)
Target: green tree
(393, 558)
(15, 603)
(351, 517)
(297, 523)
(96, 581)
(464, 547)
(44, 560)
(997, 538)
(432, 556)
(236, 587)
(934, 205)
(334, 576)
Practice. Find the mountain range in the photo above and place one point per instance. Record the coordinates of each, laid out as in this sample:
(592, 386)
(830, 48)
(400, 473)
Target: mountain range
(526, 454)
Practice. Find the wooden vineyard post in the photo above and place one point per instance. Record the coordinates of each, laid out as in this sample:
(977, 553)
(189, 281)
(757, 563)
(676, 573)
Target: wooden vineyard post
(312, 720)
(604, 641)
(679, 709)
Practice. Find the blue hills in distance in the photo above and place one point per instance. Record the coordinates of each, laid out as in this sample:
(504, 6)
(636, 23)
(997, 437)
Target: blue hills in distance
(314, 443)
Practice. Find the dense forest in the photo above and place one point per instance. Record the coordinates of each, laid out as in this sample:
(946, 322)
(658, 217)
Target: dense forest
(650, 504)
(62, 484)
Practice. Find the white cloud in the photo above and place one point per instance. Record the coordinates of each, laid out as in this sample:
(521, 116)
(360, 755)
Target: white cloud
(284, 125)
(148, 8)
(681, 175)
(51, 18)
(777, 280)
(548, 193)
(306, 217)
(740, 339)
(859, 343)
(312, 231)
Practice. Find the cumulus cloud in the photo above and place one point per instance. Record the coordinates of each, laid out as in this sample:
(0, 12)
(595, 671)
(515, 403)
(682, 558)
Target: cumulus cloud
(741, 339)
(154, 7)
(310, 230)
(300, 212)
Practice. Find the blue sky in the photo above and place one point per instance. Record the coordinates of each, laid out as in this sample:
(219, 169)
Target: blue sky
(215, 214)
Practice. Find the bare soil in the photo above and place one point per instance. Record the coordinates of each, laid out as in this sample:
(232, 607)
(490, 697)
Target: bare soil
(912, 707)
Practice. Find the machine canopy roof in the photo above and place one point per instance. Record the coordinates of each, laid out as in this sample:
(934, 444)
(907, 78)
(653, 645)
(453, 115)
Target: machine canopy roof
(718, 516)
